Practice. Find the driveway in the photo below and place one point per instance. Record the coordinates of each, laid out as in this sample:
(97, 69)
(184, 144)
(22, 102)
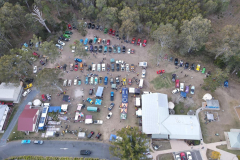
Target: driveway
(6, 134)
(56, 148)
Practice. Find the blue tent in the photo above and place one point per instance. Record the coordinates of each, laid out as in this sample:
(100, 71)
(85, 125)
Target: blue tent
(183, 94)
(113, 137)
(54, 109)
(98, 102)
(226, 83)
(99, 91)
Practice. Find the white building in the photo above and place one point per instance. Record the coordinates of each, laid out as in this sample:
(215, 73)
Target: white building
(4, 109)
(157, 121)
(11, 92)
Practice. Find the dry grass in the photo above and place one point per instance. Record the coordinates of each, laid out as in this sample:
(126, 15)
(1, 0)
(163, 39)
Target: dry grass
(224, 147)
(168, 156)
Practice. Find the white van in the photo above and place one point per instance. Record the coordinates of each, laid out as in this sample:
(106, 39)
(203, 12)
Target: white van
(182, 87)
(98, 67)
(91, 80)
(103, 67)
(65, 82)
(141, 83)
(93, 67)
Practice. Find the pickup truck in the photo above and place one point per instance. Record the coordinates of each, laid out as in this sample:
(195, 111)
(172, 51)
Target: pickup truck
(98, 122)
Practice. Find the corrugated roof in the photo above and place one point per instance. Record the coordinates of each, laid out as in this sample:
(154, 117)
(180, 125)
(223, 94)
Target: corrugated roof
(234, 138)
(10, 92)
(26, 120)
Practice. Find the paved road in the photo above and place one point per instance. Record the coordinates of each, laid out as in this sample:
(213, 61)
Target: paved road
(196, 155)
(6, 134)
(56, 148)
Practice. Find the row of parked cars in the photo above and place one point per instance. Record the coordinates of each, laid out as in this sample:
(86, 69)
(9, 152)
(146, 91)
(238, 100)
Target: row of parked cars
(180, 86)
(187, 66)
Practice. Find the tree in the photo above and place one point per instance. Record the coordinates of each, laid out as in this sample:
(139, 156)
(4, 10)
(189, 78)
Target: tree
(132, 146)
(129, 14)
(79, 49)
(39, 17)
(157, 52)
(215, 155)
(81, 28)
(210, 6)
(215, 80)
(50, 50)
(128, 27)
(149, 25)
(194, 34)
(48, 80)
(58, 5)
(101, 3)
(108, 16)
(35, 40)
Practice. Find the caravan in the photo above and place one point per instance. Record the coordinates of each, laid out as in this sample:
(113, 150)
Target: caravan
(141, 83)
(98, 67)
(93, 67)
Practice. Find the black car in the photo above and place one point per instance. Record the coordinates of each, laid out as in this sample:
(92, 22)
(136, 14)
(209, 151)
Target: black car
(93, 26)
(173, 77)
(90, 134)
(117, 34)
(89, 25)
(41, 62)
(118, 67)
(85, 152)
(112, 66)
(193, 66)
(90, 42)
(98, 135)
(97, 27)
(95, 48)
(100, 49)
(61, 38)
(110, 49)
(176, 61)
(90, 91)
(124, 49)
(91, 48)
(29, 80)
(186, 65)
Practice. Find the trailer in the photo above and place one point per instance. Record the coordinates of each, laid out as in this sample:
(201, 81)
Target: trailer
(98, 122)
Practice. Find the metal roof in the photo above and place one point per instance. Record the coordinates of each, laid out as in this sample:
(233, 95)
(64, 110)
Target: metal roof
(10, 92)
(234, 138)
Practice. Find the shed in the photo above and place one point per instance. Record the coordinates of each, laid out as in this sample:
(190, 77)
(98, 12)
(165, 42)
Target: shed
(81, 135)
(88, 119)
(98, 102)
(64, 107)
(99, 91)
(131, 90)
(54, 109)
(210, 116)
(212, 104)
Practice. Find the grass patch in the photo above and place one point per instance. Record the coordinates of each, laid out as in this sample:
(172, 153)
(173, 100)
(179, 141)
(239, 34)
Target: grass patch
(164, 81)
(224, 147)
(15, 134)
(167, 156)
(163, 145)
(12, 115)
(51, 158)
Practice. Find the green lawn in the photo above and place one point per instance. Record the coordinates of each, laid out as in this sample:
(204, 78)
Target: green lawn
(224, 147)
(161, 82)
(15, 133)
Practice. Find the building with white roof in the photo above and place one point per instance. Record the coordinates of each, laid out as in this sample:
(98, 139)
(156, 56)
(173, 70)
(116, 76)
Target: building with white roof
(11, 92)
(157, 121)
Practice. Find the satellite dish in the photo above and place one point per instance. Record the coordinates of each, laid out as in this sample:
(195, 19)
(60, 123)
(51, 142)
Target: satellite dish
(37, 102)
(171, 105)
(207, 96)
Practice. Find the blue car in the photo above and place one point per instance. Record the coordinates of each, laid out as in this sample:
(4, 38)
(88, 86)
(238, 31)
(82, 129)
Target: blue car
(77, 60)
(119, 49)
(86, 80)
(112, 96)
(86, 41)
(105, 49)
(106, 80)
(81, 41)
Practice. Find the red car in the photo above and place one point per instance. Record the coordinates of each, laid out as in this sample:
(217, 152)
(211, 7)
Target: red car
(113, 33)
(132, 51)
(76, 67)
(43, 97)
(69, 26)
(133, 40)
(160, 71)
(35, 54)
(144, 43)
(177, 83)
(129, 81)
(183, 156)
(139, 41)
(108, 42)
(110, 31)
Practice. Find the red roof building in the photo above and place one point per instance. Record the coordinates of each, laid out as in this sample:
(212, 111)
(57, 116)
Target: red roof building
(28, 120)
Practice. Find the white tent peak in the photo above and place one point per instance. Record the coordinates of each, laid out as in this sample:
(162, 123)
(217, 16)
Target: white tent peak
(207, 96)
(37, 102)
(171, 105)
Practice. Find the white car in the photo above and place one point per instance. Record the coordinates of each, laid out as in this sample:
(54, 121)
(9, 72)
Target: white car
(103, 67)
(73, 49)
(129, 51)
(98, 67)
(109, 115)
(122, 67)
(91, 80)
(192, 91)
(35, 69)
(175, 91)
(144, 73)
(75, 82)
(178, 157)
(127, 67)
(65, 82)
(69, 82)
(182, 87)
(26, 92)
(189, 155)
(59, 46)
(62, 43)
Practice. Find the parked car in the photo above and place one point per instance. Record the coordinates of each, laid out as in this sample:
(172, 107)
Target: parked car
(181, 63)
(100, 49)
(43, 97)
(192, 91)
(117, 34)
(174, 77)
(75, 82)
(77, 60)
(35, 69)
(111, 106)
(118, 67)
(69, 26)
(111, 81)
(86, 80)
(198, 67)
(38, 142)
(176, 61)
(90, 134)
(124, 49)
(75, 67)
(193, 66)
(98, 135)
(129, 51)
(89, 100)
(117, 81)
(109, 49)
(109, 115)
(90, 42)
(133, 40)
(106, 80)
(93, 26)
(89, 25)
(96, 81)
(61, 43)
(100, 80)
(68, 32)
(178, 157)
(25, 93)
(112, 67)
(177, 83)
(105, 30)
(113, 33)
(59, 46)
(119, 49)
(41, 62)
(189, 155)
(144, 73)
(175, 91)
(183, 156)
(182, 87)
(110, 31)
(86, 41)
(122, 67)
(129, 81)
(91, 80)
(81, 41)
(108, 42)
(187, 89)
(66, 35)
(95, 48)
(97, 27)
(112, 96)
(85, 152)
(186, 65)
(105, 49)
(90, 91)
(144, 43)
(139, 41)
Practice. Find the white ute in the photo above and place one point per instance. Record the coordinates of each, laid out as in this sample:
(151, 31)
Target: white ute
(26, 92)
